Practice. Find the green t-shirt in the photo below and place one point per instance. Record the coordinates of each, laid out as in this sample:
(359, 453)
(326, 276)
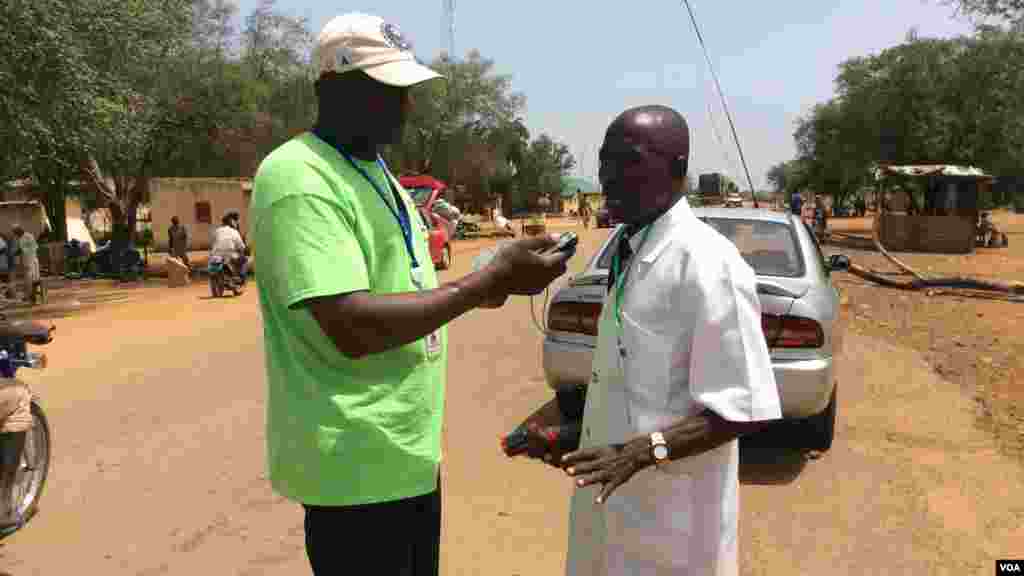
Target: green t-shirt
(341, 431)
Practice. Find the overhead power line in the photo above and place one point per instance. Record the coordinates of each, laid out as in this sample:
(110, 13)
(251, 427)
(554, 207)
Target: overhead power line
(725, 105)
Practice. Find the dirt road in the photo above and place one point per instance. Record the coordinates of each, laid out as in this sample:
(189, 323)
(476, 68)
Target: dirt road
(159, 459)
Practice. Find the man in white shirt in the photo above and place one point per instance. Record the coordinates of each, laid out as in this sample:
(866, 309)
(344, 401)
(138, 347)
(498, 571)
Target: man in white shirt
(227, 244)
(680, 373)
(27, 249)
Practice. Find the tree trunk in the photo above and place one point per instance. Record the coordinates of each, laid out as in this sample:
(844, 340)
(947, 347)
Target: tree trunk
(55, 202)
(54, 183)
(118, 230)
(953, 282)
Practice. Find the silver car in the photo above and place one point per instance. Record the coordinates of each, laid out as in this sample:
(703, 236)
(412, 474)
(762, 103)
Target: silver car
(801, 314)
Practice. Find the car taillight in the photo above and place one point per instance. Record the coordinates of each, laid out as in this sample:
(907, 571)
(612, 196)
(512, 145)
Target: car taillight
(791, 332)
(576, 317)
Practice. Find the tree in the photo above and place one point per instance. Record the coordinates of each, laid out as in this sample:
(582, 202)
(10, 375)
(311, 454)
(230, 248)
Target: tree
(467, 131)
(142, 115)
(787, 177)
(540, 172)
(952, 100)
(1010, 10)
(180, 104)
(48, 91)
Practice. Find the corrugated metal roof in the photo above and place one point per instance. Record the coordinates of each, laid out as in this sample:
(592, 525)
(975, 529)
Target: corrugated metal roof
(931, 170)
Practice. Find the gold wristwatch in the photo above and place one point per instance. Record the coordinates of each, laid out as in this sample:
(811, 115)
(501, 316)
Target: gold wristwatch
(659, 449)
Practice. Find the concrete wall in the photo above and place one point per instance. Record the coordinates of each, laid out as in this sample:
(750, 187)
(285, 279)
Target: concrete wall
(180, 197)
(30, 216)
(72, 208)
(941, 234)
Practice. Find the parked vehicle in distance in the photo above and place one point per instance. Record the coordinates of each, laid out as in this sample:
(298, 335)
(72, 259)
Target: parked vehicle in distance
(438, 239)
(426, 193)
(104, 262)
(734, 201)
(802, 318)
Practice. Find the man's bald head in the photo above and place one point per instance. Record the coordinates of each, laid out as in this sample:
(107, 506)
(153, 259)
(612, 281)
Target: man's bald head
(644, 161)
(660, 127)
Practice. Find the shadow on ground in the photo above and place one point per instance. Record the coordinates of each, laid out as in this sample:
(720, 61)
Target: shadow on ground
(768, 458)
(73, 298)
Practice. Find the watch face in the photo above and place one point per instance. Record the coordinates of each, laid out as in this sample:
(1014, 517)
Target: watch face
(661, 452)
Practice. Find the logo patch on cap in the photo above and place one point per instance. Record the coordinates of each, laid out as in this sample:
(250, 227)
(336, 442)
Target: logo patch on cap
(394, 37)
(341, 58)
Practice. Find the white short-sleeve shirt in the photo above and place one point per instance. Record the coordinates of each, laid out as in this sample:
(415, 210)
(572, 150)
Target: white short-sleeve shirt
(691, 332)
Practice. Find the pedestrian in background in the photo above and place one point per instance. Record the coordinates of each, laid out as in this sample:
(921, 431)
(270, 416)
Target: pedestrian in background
(177, 241)
(28, 252)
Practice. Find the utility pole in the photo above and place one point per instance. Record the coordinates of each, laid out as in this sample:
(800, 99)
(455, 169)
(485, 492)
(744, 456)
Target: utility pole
(449, 56)
(448, 29)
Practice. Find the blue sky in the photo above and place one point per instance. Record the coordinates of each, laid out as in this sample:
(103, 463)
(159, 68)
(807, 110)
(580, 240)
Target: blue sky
(582, 63)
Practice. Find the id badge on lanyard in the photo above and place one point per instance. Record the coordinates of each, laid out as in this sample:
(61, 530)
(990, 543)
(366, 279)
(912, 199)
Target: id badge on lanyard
(400, 212)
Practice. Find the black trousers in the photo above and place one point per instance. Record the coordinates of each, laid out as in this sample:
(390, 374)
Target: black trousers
(399, 538)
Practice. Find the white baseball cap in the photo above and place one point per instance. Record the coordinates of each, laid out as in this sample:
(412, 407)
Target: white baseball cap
(357, 41)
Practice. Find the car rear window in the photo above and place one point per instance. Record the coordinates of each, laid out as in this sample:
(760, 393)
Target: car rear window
(770, 248)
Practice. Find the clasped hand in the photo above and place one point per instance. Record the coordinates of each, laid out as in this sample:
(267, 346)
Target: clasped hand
(522, 268)
(612, 466)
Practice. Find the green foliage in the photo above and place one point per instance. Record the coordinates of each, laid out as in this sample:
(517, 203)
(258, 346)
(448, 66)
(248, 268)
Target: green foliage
(957, 100)
(467, 131)
(1011, 11)
(116, 92)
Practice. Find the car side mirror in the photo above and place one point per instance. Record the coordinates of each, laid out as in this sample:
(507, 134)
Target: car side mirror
(838, 263)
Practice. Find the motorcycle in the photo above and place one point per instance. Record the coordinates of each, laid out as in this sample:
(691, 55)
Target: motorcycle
(34, 465)
(223, 277)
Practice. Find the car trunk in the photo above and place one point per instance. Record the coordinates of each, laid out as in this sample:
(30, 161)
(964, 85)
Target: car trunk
(776, 295)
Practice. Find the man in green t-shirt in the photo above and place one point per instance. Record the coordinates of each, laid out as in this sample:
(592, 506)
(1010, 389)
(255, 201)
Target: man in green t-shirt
(354, 318)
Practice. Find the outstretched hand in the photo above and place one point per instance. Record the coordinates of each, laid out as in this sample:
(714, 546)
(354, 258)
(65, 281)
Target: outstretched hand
(521, 268)
(611, 466)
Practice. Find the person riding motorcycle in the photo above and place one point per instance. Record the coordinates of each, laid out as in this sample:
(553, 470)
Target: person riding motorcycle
(229, 246)
(15, 422)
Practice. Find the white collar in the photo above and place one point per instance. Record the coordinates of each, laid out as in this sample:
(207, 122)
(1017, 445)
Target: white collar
(660, 231)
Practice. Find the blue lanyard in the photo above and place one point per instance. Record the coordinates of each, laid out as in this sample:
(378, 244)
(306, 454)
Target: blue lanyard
(401, 214)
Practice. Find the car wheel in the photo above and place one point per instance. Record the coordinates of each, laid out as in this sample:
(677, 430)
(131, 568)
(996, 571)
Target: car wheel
(820, 429)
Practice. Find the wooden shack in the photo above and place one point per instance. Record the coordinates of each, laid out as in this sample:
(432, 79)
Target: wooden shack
(929, 207)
